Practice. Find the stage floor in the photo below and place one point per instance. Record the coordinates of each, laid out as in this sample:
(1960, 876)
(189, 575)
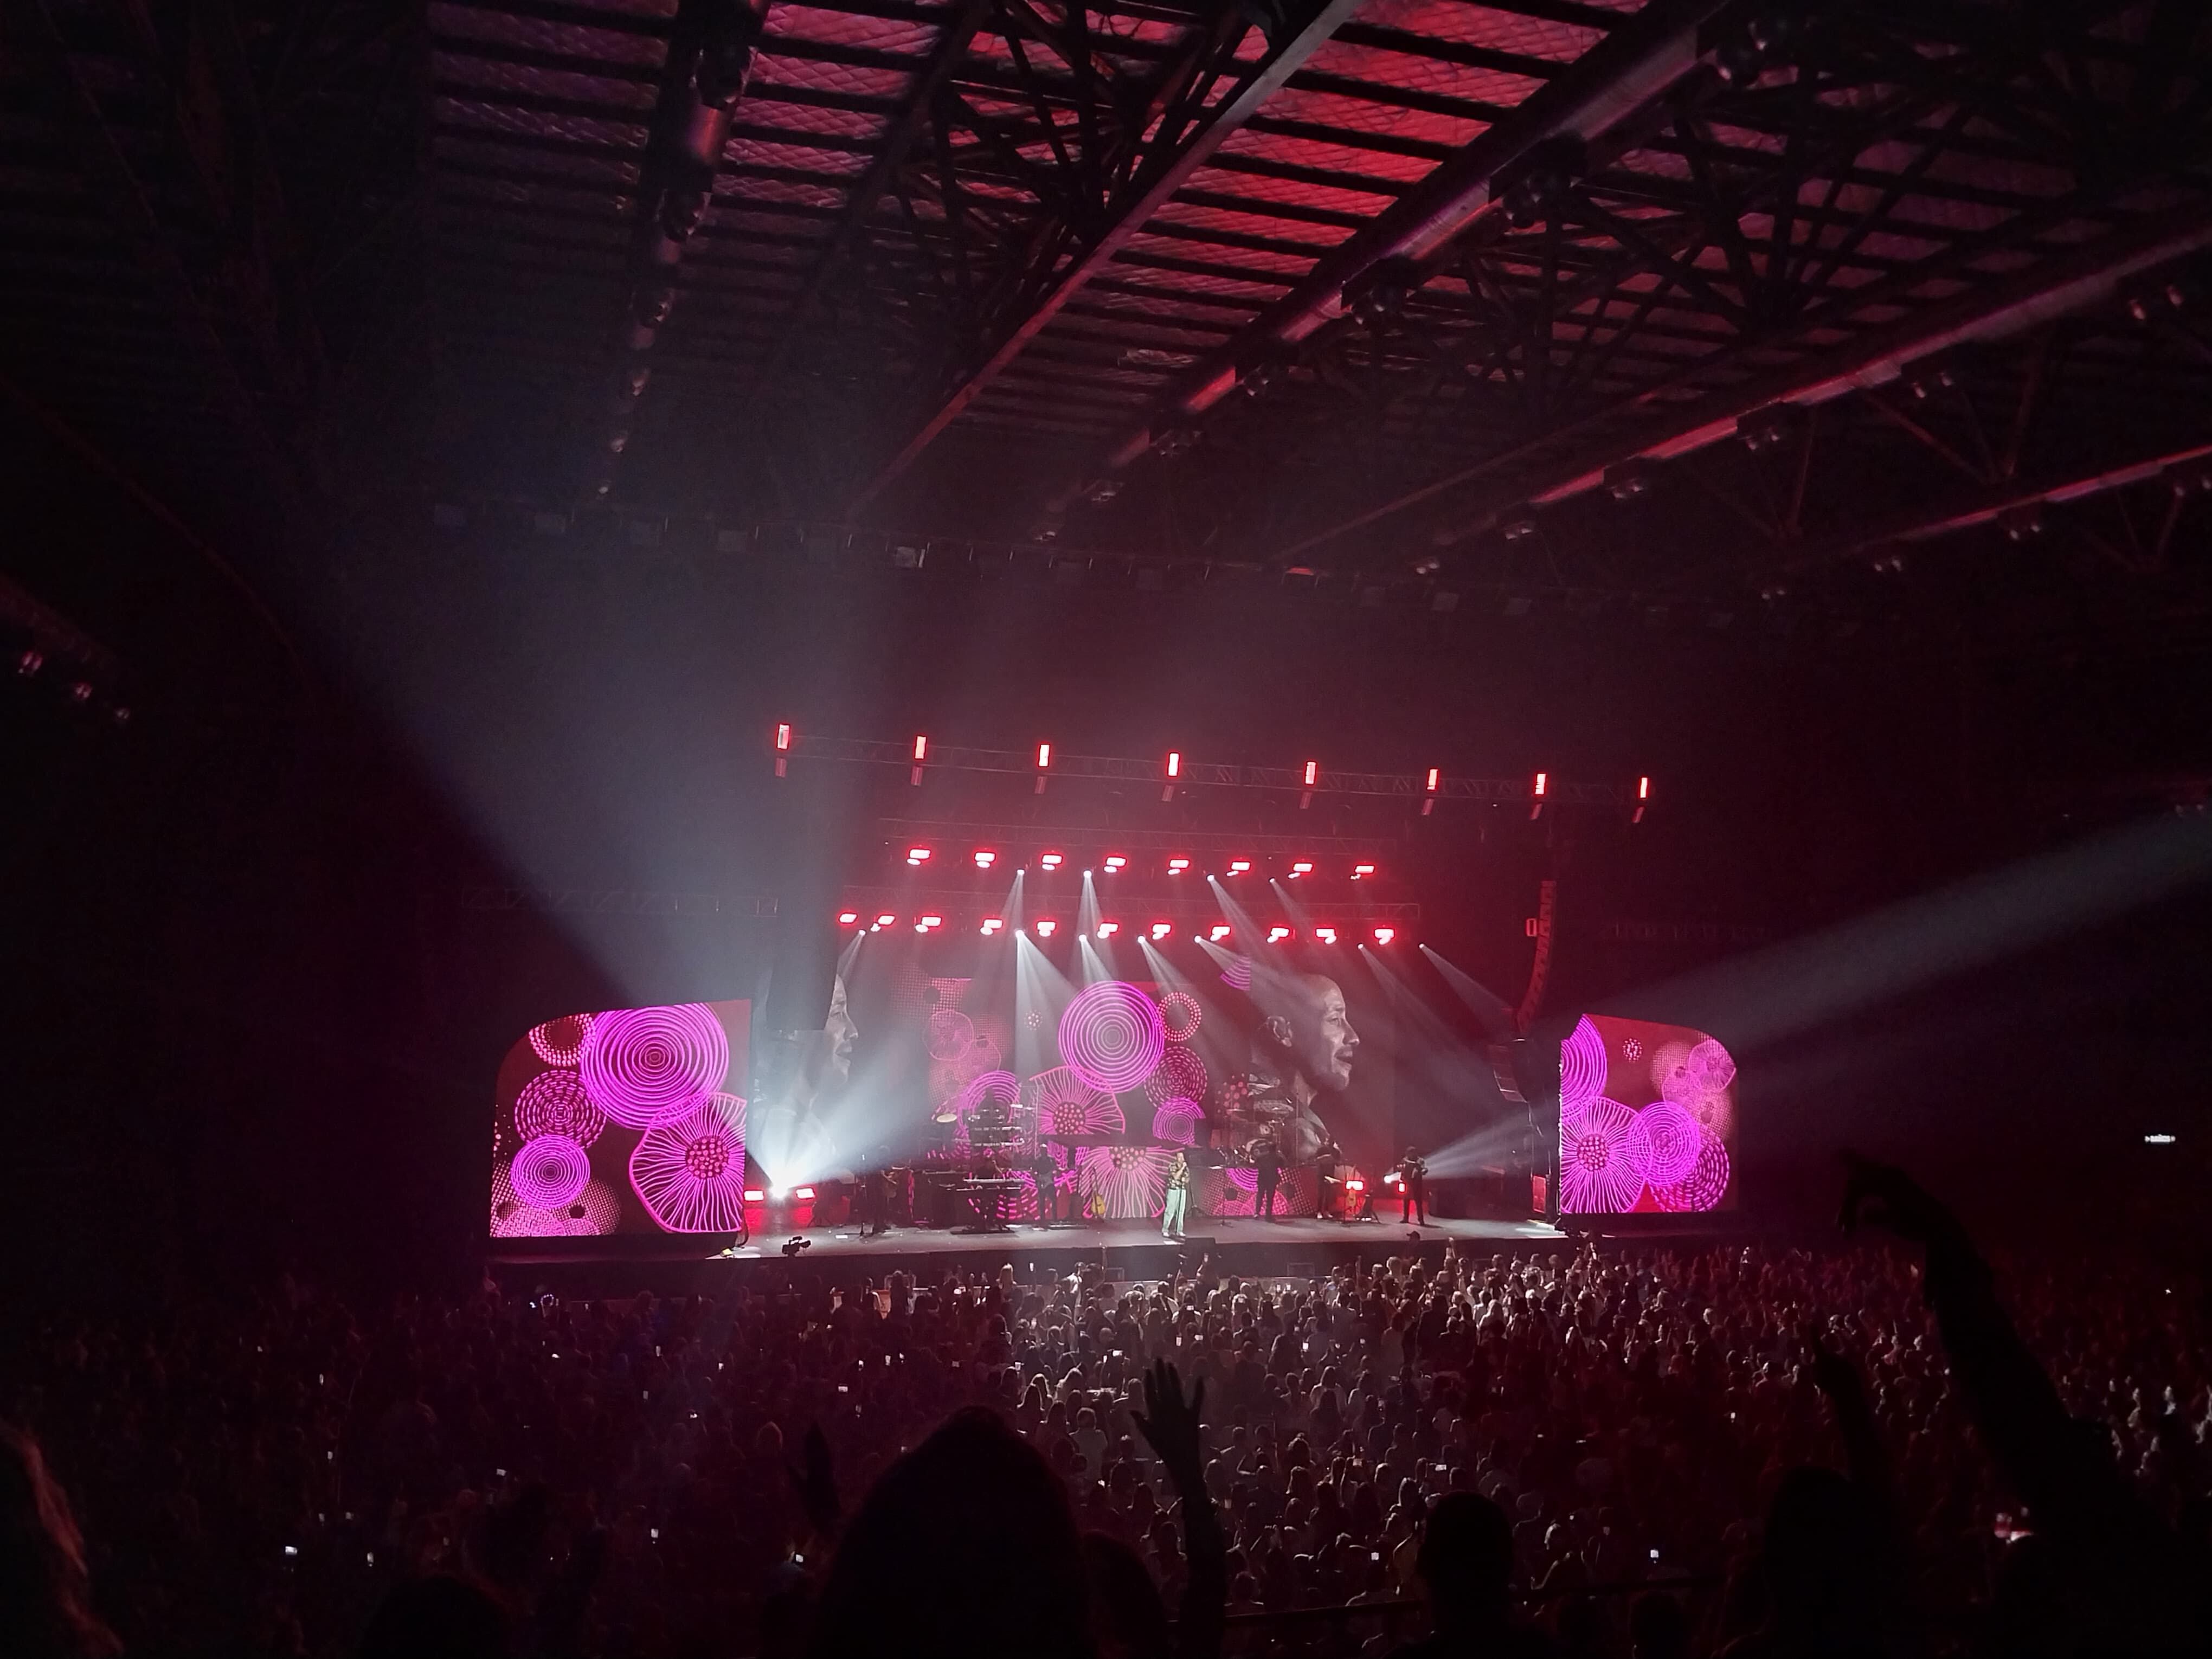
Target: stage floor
(1298, 1247)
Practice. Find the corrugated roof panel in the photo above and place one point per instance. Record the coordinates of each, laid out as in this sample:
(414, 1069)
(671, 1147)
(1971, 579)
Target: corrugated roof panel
(505, 117)
(847, 28)
(1337, 110)
(850, 79)
(546, 35)
(1406, 71)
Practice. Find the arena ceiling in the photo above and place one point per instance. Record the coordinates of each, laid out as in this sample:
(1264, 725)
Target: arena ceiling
(1693, 305)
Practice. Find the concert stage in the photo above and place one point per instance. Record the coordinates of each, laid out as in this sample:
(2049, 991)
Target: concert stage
(1297, 1248)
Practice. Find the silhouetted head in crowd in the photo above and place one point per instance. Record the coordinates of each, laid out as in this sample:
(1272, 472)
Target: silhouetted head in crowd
(1128, 1620)
(966, 1544)
(1465, 1564)
(440, 1617)
(46, 1595)
(1823, 1561)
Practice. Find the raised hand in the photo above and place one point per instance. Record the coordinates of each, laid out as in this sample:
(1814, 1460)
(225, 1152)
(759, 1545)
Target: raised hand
(1884, 1193)
(1170, 1425)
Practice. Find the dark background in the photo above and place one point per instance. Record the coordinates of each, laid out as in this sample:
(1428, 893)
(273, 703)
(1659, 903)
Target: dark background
(257, 1002)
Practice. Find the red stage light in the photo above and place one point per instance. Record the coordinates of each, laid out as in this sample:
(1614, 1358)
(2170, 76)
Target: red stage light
(1360, 869)
(1220, 932)
(806, 1193)
(1302, 867)
(1162, 929)
(1175, 763)
(1046, 926)
(1044, 756)
(1107, 929)
(755, 1195)
(920, 748)
(991, 925)
(985, 858)
(1326, 935)
(1313, 771)
(1277, 935)
(917, 855)
(1239, 866)
(1643, 789)
(783, 738)
(928, 922)
(1115, 862)
(1384, 935)
(847, 917)
(1050, 860)
(1543, 783)
(1355, 1185)
(1436, 777)
(1177, 866)
(885, 920)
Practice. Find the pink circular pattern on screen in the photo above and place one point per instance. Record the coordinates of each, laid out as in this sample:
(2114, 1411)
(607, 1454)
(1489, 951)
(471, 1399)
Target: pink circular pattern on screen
(1132, 1182)
(689, 1171)
(1237, 976)
(596, 1209)
(1581, 1066)
(1596, 1174)
(1664, 1147)
(1706, 1185)
(1002, 1086)
(1068, 1105)
(1181, 1073)
(1111, 1035)
(950, 1032)
(981, 1055)
(1180, 1016)
(549, 1172)
(646, 1065)
(1177, 1120)
(560, 1042)
(555, 1103)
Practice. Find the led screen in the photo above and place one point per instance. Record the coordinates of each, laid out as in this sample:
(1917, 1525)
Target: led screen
(1647, 1119)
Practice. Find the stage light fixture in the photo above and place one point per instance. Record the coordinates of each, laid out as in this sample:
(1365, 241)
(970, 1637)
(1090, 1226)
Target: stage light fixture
(1220, 932)
(783, 738)
(2158, 1139)
(920, 749)
(985, 858)
(1115, 861)
(1162, 929)
(1326, 935)
(1044, 756)
(1643, 797)
(928, 922)
(885, 920)
(1302, 867)
(755, 1195)
(1384, 935)
(847, 917)
(1239, 866)
(1051, 860)
(777, 1194)
(1436, 778)
(1107, 929)
(1313, 771)
(1359, 870)
(1177, 866)
(1175, 763)
(804, 1193)
(917, 855)
(1542, 786)
(1538, 790)
(1277, 935)
(1355, 1185)
(992, 925)
(1046, 926)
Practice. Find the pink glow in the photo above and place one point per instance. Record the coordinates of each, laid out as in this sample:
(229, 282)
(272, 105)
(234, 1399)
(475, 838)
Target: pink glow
(555, 1103)
(549, 1172)
(1582, 1066)
(921, 749)
(1596, 1174)
(1177, 1120)
(1175, 763)
(783, 737)
(1180, 1014)
(1239, 974)
(1706, 1185)
(689, 1171)
(1066, 1105)
(560, 1042)
(1313, 771)
(1044, 756)
(1664, 1147)
(1111, 1035)
(646, 1066)
(1181, 1074)
(1435, 776)
(1384, 935)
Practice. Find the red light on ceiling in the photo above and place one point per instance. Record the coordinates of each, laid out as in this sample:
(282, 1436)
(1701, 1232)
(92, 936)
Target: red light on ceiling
(1044, 756)
(985, 858)
(1302, 867)
(1543, 785)
(1436, 777)
(755, 1195)
(1643, 789)
(1220, 932)
(920, 748)
(1277, 935)
(1175, 762)
(1359, 870)
(928, 922)
(847, 917)
(1107, 929)
(1177, 866)
(1326, 935)
(806, 1192)
(1384, 935)
(1238, 866)
(1046, 928)
(992, 925)
(1051, 860)
(1313, 771)
(917, 855)
(1115, 861)
(885, 920)
(1162, 929)
(783, 738)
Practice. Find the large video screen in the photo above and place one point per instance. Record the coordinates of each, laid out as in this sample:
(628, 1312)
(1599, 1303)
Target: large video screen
(622, 1122)
(1647, 1119)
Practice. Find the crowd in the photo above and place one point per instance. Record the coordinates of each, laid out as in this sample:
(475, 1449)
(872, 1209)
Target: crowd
(1751, 1450)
